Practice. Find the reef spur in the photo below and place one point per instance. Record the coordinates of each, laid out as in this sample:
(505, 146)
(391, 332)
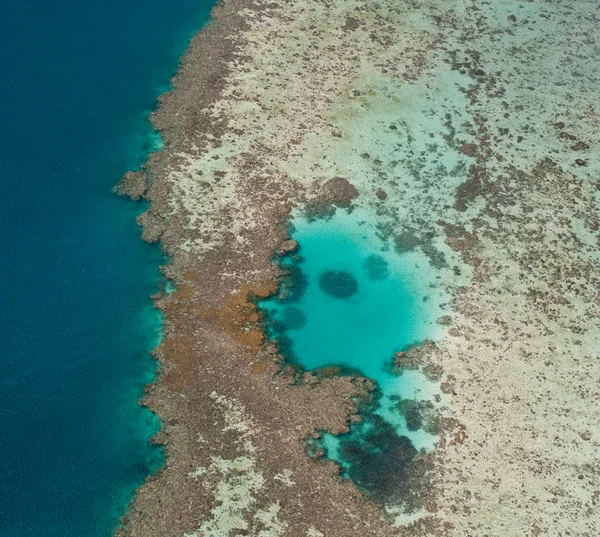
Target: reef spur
(469, 130)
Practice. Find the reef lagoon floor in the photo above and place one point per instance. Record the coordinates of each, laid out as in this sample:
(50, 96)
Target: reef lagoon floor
(383, 232)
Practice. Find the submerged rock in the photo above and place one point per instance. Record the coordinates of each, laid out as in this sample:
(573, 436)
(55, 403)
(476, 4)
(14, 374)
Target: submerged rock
(468, 149)
(287, 247)
(376, 267)
(338, 284)
(293, 284)
(338, 191)
(380, 462)
(293, 318)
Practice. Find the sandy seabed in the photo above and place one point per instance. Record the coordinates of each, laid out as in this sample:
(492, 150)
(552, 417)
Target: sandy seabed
(469, 131)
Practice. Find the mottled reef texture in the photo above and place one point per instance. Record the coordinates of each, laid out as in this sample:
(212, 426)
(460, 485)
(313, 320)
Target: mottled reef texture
(470, 131)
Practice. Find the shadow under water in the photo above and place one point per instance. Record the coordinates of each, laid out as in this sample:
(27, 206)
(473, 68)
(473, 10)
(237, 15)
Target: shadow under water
(349, 302)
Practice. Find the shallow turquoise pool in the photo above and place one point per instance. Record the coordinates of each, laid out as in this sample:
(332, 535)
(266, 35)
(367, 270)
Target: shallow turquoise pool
(352, 301)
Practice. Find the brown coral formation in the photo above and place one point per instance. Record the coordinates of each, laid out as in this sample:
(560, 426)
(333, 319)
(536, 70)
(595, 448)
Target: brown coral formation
(133, 185)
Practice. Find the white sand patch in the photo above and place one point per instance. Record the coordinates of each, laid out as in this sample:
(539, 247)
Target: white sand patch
(285, 477)
(236, 484)
(404, 519)
(270, 519)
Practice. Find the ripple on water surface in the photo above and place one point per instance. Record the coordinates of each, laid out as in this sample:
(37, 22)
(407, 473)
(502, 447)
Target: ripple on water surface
(350, 300)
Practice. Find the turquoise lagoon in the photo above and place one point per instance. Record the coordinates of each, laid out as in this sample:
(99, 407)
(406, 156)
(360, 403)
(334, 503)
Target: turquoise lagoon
(351, 300)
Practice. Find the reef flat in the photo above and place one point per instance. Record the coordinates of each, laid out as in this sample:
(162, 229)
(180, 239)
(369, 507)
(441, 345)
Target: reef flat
(468, 132)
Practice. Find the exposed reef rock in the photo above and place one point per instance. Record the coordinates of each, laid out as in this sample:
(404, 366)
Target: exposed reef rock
(133, 184)
(153, 226)
(287, 247)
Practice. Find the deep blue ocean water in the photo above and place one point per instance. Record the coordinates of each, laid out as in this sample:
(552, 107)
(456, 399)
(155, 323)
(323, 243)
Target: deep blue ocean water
(78, 79)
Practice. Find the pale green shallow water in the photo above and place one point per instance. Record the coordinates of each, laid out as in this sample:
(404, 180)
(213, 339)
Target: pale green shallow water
(352, 301)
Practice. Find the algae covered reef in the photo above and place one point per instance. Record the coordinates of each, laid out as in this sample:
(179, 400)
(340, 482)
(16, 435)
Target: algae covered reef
(461, 137)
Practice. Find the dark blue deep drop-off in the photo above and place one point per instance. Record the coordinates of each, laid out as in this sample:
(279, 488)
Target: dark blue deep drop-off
(78, 79)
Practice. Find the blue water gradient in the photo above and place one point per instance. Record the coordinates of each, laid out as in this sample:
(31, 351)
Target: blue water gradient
(78, 81)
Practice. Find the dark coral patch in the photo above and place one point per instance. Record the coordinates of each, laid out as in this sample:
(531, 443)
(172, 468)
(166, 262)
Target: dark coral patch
(338, 284)
(338, 191)
(377, 267)
(379, 461)
(412, 413)
(293, 318)
(293, 284)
